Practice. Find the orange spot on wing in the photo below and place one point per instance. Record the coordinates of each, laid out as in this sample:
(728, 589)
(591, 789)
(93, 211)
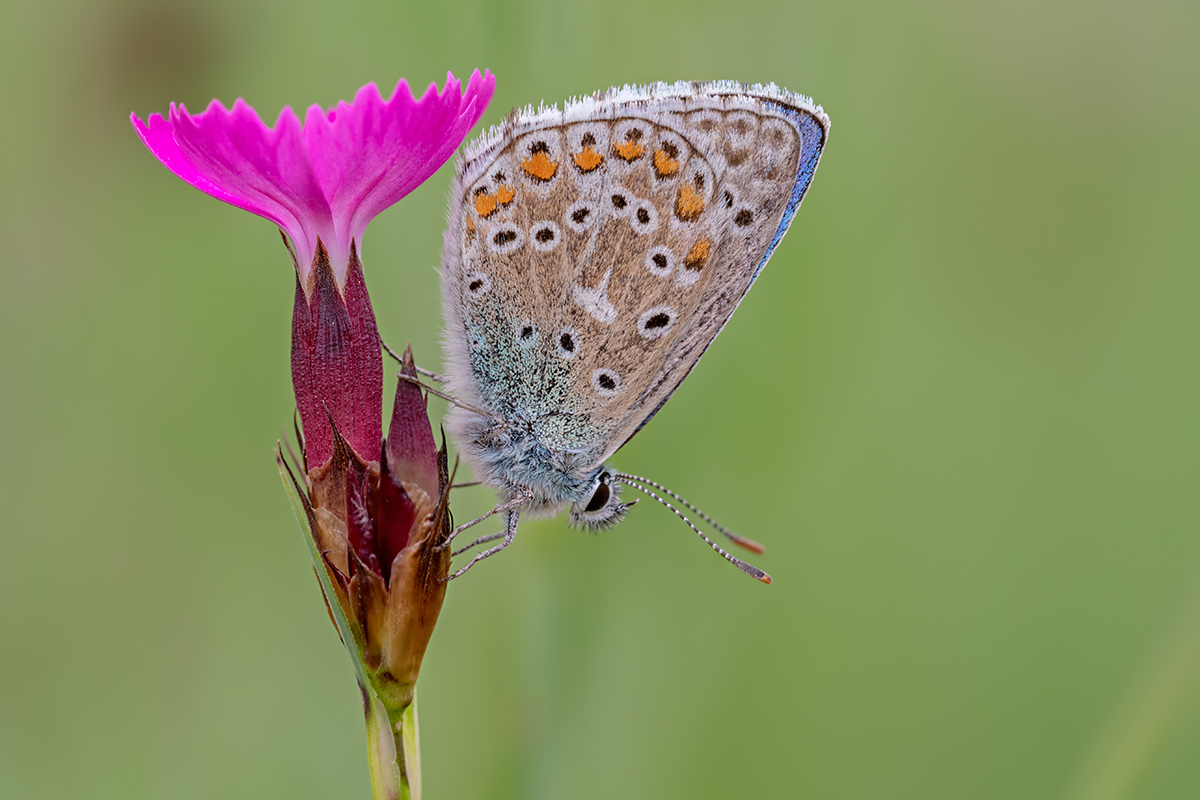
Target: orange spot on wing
(539, 166)
(485, 204)
(629, 150)
(697, 257)
(689, 204)
(664, 165)
(505, 195)
(587, 159)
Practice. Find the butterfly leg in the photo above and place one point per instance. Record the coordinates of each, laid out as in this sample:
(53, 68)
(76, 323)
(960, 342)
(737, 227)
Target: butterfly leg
(427, 373)
(503, 507)
(491, 537)
(446, 397)
(509, 534)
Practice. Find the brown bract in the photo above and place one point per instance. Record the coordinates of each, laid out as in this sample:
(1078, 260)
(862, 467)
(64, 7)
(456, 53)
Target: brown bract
(381, 528)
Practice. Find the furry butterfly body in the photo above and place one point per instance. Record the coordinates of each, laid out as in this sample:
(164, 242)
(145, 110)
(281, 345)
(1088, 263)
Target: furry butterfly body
(592, 256)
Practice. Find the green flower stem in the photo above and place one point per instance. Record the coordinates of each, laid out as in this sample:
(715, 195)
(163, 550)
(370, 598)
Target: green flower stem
(393, 748)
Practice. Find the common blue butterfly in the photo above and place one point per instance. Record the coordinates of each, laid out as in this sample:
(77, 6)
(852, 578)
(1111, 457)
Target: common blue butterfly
(592, 256)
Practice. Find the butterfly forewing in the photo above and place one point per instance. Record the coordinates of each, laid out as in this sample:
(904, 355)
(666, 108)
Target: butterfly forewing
(595, 253)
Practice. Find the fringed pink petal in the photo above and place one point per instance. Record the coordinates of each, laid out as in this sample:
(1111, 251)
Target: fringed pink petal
(269, 168)
(370, 153)
(233, 156)
(330, 178)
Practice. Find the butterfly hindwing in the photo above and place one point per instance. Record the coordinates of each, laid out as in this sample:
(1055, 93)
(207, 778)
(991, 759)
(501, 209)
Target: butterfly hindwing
(595, 253)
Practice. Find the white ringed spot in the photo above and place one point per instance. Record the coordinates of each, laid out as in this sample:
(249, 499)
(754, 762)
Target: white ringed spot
(660, 261)
(566, 343)
(606, 382)
(478, 284)
(644, 217)
(581, 216)
(656, 322)
(526, 332)
(544, 236)
(620, 202)
(505, 238)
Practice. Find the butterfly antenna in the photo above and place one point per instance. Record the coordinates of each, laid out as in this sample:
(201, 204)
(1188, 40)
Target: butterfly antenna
(740, 541)
(749, 569)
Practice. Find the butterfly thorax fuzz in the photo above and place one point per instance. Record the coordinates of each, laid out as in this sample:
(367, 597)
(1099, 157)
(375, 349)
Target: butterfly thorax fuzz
(509, 456)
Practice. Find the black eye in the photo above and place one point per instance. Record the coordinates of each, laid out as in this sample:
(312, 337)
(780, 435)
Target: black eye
(599, 498)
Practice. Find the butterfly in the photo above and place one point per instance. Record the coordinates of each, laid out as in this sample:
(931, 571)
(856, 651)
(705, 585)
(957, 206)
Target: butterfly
(592, 255)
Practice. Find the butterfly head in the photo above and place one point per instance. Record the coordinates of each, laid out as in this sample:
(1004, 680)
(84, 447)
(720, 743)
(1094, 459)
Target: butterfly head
(601, 507)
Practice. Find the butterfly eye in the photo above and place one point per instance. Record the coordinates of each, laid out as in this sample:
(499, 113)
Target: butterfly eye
(599, 497)
(603, 508)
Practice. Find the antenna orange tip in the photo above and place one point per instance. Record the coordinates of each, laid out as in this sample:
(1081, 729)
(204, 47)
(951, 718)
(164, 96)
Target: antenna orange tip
(751, 545)
(766, 579)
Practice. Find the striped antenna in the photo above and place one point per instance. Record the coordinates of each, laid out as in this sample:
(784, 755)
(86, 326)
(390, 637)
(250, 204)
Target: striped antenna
(637, 483)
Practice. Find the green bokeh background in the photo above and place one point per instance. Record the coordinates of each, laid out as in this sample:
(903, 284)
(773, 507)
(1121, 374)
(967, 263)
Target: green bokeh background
(960, 407)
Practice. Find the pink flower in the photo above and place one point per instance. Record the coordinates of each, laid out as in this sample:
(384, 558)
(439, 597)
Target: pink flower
(376, 510)
(321, 183)
(328, 178)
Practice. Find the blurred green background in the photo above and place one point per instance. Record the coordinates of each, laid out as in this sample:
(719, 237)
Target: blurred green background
(960, 408)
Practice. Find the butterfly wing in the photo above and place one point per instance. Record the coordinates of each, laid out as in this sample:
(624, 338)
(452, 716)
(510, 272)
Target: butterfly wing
(594, 253)
(763, 145)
